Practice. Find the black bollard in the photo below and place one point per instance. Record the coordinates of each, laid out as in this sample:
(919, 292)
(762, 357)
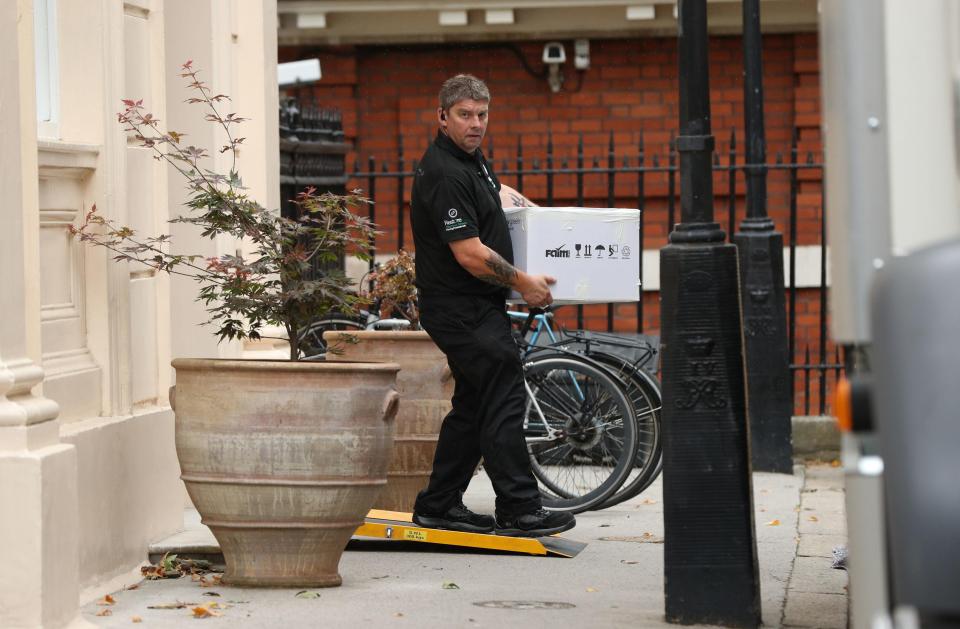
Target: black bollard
(710, 555)
(761, 280)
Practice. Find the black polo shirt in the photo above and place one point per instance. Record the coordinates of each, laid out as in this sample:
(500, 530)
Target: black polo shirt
(455, 196)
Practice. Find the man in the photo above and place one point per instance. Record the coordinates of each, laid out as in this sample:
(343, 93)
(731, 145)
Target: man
(464, 273)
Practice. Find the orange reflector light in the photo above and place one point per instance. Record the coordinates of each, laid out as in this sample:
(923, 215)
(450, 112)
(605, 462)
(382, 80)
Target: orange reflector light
(843, 406)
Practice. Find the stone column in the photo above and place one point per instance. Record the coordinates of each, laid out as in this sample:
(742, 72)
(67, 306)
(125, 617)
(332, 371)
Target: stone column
(38, 521)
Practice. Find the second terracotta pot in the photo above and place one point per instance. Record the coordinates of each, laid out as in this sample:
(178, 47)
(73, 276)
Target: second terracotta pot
(425, 388)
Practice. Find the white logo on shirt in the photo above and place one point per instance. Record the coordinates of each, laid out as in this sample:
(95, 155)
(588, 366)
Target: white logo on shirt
(452, 212)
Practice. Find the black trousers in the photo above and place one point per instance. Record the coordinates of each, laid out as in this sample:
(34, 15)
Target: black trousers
(488, 406)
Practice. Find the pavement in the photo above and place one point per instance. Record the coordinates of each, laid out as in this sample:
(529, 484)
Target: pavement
(616, 581)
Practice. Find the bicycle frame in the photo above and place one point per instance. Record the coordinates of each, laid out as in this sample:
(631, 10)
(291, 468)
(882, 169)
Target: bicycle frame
(542, 324)
(552, 433)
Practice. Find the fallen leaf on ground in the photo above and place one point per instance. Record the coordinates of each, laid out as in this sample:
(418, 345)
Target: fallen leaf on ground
(646, 538)
(168, 562)
(104, 612)
(107, 600)
(773, 523)
(813, 518)
(167, 568)
(450, 585)
(136, 619)
(204, 612)
(177, 605)
(835, 463)
(307, 594)
(193, 564)
(649, 501)
(398, 614)
(211, 593)
(591, 589)
(386, 576)
(133, 587)
(630, 562)
(152, 572)
(603, 526)
(214, 580)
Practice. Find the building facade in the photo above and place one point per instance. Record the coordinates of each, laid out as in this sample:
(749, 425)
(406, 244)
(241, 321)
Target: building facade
(88, 471)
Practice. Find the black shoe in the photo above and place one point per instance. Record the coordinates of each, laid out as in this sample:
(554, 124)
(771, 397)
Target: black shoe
(457, 518)
(537, 524)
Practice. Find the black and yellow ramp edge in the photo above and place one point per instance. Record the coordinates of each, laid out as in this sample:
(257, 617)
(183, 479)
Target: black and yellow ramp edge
(397, 526)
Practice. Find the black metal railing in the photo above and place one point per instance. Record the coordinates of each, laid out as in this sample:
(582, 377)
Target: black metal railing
(312, 155)
(648, 181)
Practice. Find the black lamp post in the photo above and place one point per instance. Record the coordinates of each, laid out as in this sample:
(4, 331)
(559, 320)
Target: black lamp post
(761, 279)
(710, 554)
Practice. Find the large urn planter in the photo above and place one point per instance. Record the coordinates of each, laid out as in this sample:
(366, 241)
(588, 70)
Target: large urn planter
(283, 460)
(425, 388)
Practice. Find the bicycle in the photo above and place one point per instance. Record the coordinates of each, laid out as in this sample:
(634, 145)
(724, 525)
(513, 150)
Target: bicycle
(312, 345)
(625, 360)
(579, 427)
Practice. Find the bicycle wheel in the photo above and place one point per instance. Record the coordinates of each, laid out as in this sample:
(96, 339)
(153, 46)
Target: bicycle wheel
(644, 394)
(312, 345)
(580, 431)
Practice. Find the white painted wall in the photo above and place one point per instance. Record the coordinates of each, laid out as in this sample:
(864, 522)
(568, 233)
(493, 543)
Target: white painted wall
(86, 431)
(39, 534)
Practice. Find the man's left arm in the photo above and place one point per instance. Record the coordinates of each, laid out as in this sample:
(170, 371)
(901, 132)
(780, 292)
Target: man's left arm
(486, 264)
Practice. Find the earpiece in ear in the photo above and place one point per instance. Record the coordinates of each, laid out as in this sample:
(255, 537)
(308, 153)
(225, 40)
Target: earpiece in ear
(443, 116)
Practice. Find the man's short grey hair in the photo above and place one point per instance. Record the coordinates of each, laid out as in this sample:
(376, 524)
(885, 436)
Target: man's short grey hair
(462, 87)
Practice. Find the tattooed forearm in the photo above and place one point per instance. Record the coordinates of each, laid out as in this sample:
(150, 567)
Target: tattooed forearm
(518, 201)
(502, 272)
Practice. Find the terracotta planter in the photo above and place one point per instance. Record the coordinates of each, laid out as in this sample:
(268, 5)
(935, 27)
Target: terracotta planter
(425, 387)
(283, 460)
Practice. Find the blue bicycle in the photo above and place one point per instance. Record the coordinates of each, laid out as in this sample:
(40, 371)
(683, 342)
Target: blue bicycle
(627, 361)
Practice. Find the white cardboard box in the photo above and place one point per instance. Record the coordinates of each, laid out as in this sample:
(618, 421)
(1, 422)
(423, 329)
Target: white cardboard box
(594, 253)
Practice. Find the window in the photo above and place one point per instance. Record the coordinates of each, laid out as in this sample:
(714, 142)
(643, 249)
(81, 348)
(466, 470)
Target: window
(45, 42)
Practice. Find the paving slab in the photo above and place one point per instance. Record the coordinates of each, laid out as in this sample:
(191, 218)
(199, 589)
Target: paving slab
(812, 545)
(819, 611)
(817, 575)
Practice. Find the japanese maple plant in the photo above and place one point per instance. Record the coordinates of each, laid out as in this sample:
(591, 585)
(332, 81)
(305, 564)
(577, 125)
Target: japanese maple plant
(292, 275)
(394, 289)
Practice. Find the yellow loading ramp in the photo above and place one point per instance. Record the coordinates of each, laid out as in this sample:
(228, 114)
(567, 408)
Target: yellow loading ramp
(397, 526)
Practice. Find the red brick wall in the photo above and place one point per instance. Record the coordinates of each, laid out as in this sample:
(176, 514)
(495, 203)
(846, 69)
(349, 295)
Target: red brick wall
(388, 96)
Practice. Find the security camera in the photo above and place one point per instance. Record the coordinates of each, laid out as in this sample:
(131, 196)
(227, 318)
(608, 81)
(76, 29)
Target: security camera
(554, 53)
